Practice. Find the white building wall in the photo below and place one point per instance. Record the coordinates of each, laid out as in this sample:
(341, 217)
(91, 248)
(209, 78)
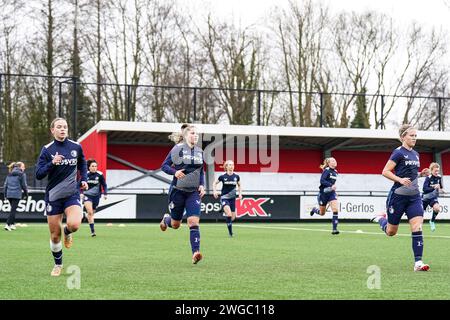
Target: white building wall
(263, 182)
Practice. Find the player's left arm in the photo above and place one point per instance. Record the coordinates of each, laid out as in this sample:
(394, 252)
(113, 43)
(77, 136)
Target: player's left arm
(5, 188)
(104, 186)
(215, 183)
(82, 167)
(239, 187)
(23, 184)
(201, 187)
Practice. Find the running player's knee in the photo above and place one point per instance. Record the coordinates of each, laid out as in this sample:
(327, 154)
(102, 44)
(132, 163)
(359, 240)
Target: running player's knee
(193, 224)
(391, 233)
(73, 226)
(175, 224)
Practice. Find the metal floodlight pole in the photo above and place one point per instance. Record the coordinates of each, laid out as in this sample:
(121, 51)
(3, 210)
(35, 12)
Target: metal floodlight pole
(128, 103)
(74, 107)
(1, 90)
(1, 116)
(440, 113)
(258, 119)
(1, 101)
(60, 99)
(60, 104)
(321, 109)
(195, 104)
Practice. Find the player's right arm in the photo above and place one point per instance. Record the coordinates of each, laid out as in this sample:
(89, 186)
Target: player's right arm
(168, 167)
(44, 164)
(426, 186)
(387, 173)
(324, 179)
(215, 192)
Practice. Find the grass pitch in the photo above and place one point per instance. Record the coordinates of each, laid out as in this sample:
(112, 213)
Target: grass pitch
(263, 261)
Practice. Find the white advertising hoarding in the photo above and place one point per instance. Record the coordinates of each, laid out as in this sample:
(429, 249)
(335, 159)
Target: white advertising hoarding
(362, 207)
(117, 206)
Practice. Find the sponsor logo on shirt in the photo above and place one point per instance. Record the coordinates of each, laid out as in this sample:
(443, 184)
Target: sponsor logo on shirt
(197, 158)
(68, 162)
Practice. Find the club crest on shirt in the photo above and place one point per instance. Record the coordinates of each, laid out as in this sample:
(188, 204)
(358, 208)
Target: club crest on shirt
(73, 153)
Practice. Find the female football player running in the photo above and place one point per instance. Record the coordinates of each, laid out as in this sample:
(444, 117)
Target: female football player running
(327, 192)
(404, 196)
(230, 181)
(91, 197)
(185, 163)
(431, 188)
(60, 161)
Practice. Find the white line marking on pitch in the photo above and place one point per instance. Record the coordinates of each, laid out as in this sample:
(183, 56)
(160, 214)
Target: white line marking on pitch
(341, 231)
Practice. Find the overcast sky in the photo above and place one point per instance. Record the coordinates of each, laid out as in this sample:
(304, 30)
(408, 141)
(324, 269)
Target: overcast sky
(426, 12)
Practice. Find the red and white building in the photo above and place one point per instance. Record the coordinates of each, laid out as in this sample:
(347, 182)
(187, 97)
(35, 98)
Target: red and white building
(131, 154)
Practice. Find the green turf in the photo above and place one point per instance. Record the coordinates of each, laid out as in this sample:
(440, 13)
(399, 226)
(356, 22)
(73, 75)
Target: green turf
(263, 261)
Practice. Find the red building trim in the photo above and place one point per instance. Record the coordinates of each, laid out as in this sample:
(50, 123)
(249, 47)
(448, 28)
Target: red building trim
(95, 147)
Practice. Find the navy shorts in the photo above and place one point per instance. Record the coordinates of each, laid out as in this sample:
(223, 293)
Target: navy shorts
(429, 202)
(324, 197)
(94, 200)
(397, 205)
(179, 201)
(229, 202)
(56, 207)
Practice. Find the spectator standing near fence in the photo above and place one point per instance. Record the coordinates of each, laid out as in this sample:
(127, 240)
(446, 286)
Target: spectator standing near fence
(15, 187)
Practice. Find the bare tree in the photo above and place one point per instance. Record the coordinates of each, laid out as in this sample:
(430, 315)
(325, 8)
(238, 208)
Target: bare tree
(300, 32)
(234, 57)
(10, 112)
(161, 39)
(419, 71)
(183, 102)
(358, 42)
(95, 27)
(428, 75)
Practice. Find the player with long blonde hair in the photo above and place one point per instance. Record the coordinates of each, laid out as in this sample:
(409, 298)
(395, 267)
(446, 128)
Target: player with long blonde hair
(432, 186)
(327, 192)
(404, 197)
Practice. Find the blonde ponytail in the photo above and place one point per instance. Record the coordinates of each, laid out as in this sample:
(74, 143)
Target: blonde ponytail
(11, 166)
(326, 163)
